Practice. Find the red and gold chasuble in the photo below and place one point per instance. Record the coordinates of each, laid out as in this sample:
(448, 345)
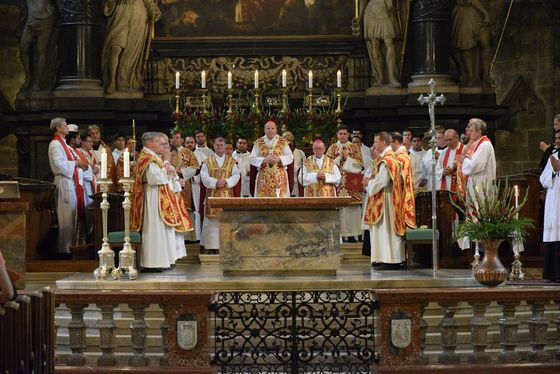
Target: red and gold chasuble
(272, 177)
(350, 183)
(374, 208)
(171, 211)
(185, 158)
(320, 189)
(217, 172)
(462, 179)
(408, 207)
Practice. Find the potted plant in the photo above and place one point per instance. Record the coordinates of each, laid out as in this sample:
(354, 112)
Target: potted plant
(492, 216)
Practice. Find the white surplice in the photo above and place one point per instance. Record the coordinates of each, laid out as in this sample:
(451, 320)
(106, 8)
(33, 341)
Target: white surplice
(299, 159)
(386, 246)
(66, 201)
(244, 165)
(550, 180)
(200, 157)
(308, 178)
(481, 167)
(451, 152)
(158, 239)
(366, 155)
(204, 149)
(416, 158)
(427, 168)
(210, 238)
(257, 158)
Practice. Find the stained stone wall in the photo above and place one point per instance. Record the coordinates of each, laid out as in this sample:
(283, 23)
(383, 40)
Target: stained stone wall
(527, 76)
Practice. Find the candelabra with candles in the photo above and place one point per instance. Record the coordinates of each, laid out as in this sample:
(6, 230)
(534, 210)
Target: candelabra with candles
(106, 254)
(516, 266)
(127, 257)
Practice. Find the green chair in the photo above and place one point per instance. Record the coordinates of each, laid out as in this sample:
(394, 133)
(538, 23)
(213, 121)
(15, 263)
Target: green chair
(417, 237)
(116, 239)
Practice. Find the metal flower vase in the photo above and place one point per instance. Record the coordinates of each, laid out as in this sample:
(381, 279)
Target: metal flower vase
(491, 272)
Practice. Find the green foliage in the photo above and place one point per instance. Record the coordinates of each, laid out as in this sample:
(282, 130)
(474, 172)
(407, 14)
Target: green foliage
(490, 213)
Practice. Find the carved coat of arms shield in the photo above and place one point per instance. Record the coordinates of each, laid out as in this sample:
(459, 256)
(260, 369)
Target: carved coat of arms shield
(401, 332)
(187, 334)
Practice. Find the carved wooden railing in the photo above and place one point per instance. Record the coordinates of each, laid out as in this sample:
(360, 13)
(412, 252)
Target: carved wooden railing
(27, 333)
(170, 357)
(543, 356)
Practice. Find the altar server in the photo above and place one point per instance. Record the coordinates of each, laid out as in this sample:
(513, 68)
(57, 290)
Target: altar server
(243, 158)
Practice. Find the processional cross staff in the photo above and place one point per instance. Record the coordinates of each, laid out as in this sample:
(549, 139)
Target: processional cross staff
(432, 100)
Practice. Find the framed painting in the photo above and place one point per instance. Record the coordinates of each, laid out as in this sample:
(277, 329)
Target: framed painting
(237, 20)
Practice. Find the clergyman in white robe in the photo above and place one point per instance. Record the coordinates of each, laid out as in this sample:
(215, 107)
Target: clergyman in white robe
(66, 200)
(550, 180)
(416, 158)
(257, 159)
(210, 238)
(158, 239)
(386, 246)
(480, 167)
(308, 178)
(244, 165)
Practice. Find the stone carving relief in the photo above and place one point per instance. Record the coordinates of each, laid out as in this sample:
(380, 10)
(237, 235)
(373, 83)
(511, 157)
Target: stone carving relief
(38, 46)
(471, 41)
(127, 43)
(161, 78)
(382, 31)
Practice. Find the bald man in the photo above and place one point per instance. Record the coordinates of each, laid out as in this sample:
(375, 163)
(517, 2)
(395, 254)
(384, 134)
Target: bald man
(320, 174)
(271, 155)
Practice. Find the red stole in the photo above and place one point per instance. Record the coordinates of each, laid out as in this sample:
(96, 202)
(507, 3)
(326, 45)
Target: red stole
(79, 189)
(453, 187)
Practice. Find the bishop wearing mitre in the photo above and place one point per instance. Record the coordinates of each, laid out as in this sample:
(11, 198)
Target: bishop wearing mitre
(320, 175)
(272, 162)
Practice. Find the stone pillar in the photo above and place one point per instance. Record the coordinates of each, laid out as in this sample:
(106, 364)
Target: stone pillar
(80, 49)
(430, 47)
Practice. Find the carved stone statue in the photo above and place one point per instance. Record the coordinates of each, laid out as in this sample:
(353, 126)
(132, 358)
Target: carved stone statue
(126, 43)
(470, 38)
(381, 28)
(34, 44)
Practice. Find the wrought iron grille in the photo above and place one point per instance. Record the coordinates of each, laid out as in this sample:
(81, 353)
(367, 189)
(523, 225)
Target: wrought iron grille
(294, 332)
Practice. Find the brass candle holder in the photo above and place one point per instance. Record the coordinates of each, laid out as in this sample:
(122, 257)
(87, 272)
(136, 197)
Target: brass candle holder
(127, 257)
(285, 101)
(309, 99)
(257, 103)
(338, 101)
(177, 99)
(230, 101)
(106, 255)
(205, 100)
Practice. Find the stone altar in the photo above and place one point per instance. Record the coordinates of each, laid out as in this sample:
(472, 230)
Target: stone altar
(271, 236)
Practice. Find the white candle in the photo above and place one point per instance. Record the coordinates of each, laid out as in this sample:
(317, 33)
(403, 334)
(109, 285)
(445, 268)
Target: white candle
(229, 80)
(310, 79)
(339, 79)
(126, 159)
(516, 194)
(284, 78)
(103, 164)
(203, 79)
(256, 79)
(177, 80)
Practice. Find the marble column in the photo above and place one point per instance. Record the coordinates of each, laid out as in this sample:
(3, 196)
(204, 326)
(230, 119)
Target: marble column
(430, 42)
(80, 48)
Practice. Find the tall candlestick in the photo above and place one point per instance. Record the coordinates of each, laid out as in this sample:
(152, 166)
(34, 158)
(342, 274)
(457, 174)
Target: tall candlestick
(103, 164)
(229, 80)
(126, 159)
(516, 194)
(310, 79)
(177, 80)
(133, 129)
(339, 79)
(203, 79)
(256, 79)
(357, 8)
(284, 78)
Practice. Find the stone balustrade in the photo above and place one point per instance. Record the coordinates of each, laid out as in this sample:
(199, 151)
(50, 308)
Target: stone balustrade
(543, 353)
